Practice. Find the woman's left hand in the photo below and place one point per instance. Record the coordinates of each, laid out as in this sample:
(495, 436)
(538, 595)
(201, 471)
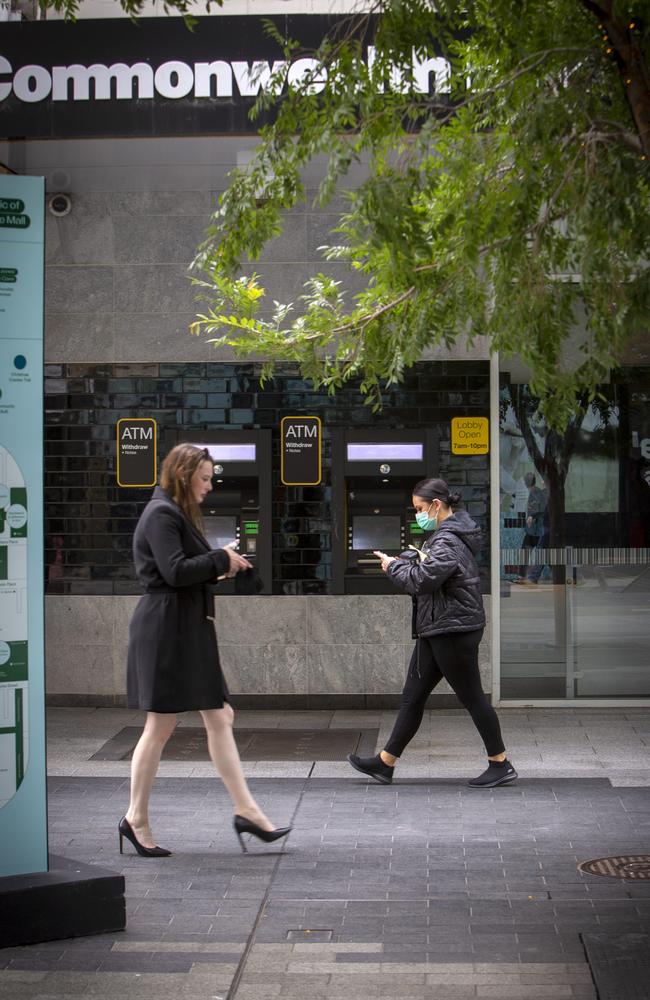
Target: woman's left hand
(237, 562)
(385, 560)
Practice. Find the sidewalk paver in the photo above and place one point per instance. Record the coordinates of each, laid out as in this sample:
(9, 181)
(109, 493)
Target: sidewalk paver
(425, 888)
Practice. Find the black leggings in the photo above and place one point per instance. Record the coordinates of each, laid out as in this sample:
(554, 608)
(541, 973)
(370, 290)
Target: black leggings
(455, 657)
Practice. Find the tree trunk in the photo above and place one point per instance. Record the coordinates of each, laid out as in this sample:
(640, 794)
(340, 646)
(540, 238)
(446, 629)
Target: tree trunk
(556, 495)
(633, 71)
(553, 465)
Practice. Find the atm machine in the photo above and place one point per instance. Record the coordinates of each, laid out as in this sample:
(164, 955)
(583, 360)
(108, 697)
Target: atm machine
(238, 507)
(373, 474)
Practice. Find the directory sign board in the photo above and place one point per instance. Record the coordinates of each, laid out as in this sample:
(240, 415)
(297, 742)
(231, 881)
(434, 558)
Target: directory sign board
(300, 457)
(23, 817)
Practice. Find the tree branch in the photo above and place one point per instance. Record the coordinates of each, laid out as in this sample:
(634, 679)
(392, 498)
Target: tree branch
(363, 322)
(539, 226)
(617, 132)
(518, 401)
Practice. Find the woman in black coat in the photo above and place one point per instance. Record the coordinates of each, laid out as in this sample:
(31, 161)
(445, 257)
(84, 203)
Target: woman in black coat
(173, 660)
(448, 623)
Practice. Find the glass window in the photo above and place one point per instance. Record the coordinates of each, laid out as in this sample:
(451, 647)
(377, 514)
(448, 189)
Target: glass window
(575, 546)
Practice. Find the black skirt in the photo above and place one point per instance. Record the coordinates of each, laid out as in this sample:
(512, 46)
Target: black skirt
(173, 658)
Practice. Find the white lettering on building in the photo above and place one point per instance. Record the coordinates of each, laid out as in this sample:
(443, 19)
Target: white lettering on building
(5, 88)
(109, 82)
(306, 71)
(32, 83)
(204, 73)
(250, 79)
(175, 80)
(423, 70)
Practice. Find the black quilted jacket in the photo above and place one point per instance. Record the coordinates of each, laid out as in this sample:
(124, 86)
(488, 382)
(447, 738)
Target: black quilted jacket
(445, 586)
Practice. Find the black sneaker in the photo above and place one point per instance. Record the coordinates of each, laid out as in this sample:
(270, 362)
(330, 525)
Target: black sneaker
(497, 773)
(374, 767)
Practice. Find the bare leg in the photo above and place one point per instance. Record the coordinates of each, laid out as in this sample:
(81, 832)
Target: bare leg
(158, 728)
(225, 757)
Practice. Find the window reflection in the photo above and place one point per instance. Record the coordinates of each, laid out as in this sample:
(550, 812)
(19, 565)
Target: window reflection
(575, 546)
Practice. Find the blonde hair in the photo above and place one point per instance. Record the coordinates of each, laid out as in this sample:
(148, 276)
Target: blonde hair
(176, 474)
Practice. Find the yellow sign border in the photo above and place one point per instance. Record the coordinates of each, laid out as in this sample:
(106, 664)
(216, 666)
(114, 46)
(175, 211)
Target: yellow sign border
(302, 416)
(133, 420)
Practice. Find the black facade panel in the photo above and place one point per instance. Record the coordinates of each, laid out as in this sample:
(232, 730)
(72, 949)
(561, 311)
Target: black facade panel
(89, 519)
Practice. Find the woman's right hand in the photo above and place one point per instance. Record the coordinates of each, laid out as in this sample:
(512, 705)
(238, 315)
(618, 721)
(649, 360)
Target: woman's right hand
(385, 559)
(236, 562)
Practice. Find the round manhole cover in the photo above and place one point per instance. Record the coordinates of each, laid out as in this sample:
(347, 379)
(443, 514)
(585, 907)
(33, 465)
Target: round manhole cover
(625, 866)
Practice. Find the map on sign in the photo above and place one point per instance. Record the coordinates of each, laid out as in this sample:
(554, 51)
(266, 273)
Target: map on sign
(13, 627)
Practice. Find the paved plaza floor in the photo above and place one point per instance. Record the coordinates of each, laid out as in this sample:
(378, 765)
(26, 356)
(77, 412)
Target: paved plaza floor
(425, 888)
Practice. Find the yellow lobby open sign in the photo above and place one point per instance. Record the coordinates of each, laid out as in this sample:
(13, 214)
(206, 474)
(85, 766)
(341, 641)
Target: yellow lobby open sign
(470, 435)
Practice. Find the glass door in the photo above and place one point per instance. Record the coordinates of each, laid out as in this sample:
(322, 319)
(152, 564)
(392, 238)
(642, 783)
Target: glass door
(575, 548)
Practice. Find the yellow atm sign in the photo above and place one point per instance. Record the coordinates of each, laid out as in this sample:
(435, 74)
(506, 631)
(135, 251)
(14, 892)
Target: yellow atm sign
(470, 435)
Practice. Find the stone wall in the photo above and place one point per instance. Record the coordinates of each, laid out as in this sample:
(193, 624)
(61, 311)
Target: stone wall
(313, 651)
(117, 285)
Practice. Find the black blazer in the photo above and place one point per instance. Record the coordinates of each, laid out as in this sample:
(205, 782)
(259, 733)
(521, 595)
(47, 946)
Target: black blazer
(446, 585)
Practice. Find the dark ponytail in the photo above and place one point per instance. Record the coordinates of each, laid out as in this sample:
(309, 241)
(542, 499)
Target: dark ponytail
(437, 489)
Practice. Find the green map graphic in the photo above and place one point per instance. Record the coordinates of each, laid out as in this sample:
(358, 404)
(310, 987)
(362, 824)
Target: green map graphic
(14, 660)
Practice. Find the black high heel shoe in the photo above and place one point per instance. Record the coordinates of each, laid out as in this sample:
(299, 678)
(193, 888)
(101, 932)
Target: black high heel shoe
(243, 825)
(125, 829)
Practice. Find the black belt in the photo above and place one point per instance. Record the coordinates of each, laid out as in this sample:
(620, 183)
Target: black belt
(208, 596)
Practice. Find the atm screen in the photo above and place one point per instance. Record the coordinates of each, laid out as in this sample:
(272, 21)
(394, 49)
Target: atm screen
(220, 529)
(378, 531)
(230, 452)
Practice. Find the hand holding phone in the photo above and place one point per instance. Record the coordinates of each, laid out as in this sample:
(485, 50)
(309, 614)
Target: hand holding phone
(236, 562)
(386, 560)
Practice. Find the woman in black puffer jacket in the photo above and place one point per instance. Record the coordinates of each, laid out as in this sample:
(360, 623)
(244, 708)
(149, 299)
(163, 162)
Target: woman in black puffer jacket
(448, 623)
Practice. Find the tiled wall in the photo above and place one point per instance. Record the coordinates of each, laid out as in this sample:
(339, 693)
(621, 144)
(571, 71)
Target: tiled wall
(90, 520)
(117, 288)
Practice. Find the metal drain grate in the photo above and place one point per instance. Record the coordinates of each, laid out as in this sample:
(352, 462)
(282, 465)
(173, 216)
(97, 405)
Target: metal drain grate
(314, 935)
(626, 866)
